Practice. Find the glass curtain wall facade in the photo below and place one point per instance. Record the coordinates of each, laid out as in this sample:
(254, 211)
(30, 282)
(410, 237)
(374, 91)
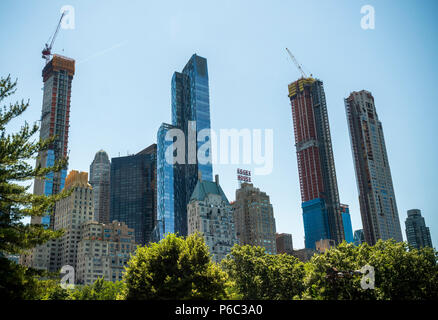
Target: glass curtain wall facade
(190, 114)
(168, 213)
(133, 192)
(346, 220)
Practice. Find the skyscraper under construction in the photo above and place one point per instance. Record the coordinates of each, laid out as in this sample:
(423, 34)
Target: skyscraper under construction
(316, 166)
(55, 118)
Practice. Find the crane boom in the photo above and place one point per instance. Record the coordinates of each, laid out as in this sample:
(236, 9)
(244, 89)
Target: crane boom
(296, 63)
(47, 51)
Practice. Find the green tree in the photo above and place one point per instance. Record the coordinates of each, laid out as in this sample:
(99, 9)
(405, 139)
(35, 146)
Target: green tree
(174, 268)
(16, 151)
(258, 275)
(99, 290)
(400, 272)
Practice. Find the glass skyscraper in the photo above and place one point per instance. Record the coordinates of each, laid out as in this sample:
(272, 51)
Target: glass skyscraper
(133, 192)
(191, 115)
(346, 221)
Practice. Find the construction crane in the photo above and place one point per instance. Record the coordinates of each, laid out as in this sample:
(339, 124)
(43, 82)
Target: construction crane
(47, 51)
(297, 64)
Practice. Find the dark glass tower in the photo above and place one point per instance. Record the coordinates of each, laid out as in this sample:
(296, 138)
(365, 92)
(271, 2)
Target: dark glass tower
(55, 121)
(133, 192)
(316, 166)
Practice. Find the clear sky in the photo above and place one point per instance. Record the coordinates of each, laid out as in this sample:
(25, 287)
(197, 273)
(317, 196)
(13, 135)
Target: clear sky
(127, 51)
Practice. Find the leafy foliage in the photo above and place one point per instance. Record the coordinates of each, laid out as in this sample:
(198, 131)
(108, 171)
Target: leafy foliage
(258, 275)
(400, 272)
(174, 268)
(99, 290)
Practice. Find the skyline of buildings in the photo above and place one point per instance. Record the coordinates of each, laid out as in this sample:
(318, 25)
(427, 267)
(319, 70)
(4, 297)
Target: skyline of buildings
(154, 197)
(378, 207)
(316, 167)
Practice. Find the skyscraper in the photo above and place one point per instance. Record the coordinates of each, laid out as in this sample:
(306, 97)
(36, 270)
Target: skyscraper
(358, 237)
(254, 218)
(416, 231)
(100, 181)
(55, 121)
(346, 221)
(210, 213)
(191, 115)
(71, 213)
(316, 166)
(378, 207)
(103, 251)
(284, 243)
(171, 199)
(133, 192)
(191, 111)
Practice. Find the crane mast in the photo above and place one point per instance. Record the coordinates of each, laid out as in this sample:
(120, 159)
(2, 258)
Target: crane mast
(47, 51)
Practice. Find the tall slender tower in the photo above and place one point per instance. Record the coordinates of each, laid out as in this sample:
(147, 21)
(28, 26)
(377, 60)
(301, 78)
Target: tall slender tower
(55, 121)
(100, 181)
(191, 116)
(378, 207)
(316, 166)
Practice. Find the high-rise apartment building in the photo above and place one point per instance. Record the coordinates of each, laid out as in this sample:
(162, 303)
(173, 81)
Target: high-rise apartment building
(133, 192)
(416, 231)
(316, 166)
(254, 218)
(284, 243)
(100, 170)
(378, 207)
(346, 221)
(210, 214)
(55, 121)
(103, 251)
(71, 213)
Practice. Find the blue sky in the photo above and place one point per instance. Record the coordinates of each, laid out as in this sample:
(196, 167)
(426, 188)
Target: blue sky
(127, 51)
